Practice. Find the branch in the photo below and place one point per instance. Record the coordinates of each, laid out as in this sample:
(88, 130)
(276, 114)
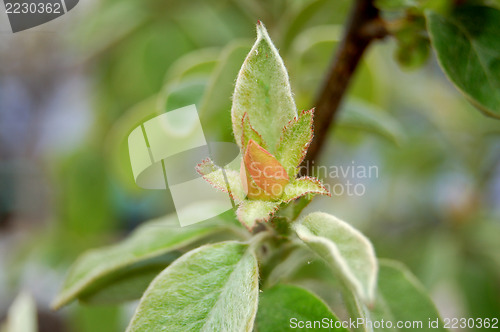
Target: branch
(364, 26)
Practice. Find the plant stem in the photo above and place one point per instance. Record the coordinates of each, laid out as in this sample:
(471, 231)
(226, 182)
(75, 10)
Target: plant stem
(364, 26)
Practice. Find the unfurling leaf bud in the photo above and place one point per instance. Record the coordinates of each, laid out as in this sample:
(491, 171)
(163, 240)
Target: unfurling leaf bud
(262, 175)
(263, 92)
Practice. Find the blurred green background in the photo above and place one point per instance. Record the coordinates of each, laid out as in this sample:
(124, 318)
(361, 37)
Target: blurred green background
(73, 89)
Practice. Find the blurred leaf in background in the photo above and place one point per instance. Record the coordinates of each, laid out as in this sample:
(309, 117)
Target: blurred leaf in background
(436, 198)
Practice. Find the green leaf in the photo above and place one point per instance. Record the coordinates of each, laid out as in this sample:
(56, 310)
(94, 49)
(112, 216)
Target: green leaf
(303, 186)
(401, 297)
(249, 133)
(477, 280)
(310, 14)
(285, 262)
(150, 248)
(173, 95)
(216, 101)
(295, 140)
(309, 40)
(214, 175)
(283, 306)
(344, 248)
(251, 211)
(22, 315)
(263, 91)
(128, 287)
(117, 139)
(468, 50)
(198, 63)
(360, 115)
(89, 37)
(177, 95)
(212, 288)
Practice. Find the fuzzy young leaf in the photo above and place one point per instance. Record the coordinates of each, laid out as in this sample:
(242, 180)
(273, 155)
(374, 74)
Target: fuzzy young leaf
(468, 50)
(278, 305)
(214, 175)
(151, 245)
(249, 133)
(251, 211)
(295, 140)
(212, 288)
(303, 186)
(344, 248)
(263, 91)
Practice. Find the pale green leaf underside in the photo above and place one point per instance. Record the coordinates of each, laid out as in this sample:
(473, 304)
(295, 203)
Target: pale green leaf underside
(151, 245)
(294, 142)
(281, 303)
(468, 50)
(214, 175)
(263, 91)
(212, 288)
(401, 297)
(303, 186)
(344, 248)
(251, 211)
(22, 315)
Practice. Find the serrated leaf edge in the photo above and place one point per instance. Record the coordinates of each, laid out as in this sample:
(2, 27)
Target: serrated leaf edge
(227, 189)
(261, 140)
(292, 123)
(315, 180)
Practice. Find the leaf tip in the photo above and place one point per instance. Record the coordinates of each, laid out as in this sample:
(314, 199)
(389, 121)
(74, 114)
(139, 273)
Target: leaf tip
(58, 303)
(261, 30)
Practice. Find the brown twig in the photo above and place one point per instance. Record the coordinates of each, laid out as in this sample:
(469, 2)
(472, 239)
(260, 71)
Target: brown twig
(364, 26)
